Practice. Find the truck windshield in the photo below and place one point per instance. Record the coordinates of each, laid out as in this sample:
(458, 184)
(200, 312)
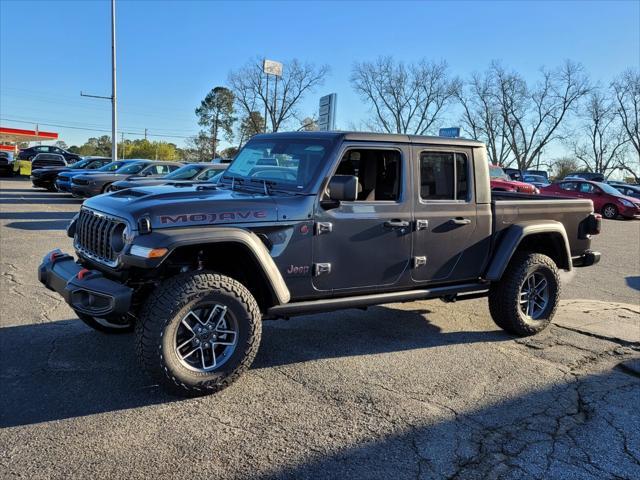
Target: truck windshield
(497, 172)
(286, 163)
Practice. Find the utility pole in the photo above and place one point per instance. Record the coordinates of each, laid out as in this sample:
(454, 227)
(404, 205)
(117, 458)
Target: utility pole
(114, 117)
(145, 133)
(122, 145)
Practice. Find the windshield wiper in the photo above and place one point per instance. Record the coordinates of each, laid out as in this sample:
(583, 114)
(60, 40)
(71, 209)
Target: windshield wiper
(267, 184)
(234, 179)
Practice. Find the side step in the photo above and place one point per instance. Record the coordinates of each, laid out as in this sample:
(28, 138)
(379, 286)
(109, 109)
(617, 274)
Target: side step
(330, 304)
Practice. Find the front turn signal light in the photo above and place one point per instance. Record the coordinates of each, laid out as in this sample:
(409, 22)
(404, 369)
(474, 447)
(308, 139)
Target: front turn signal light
(146, 252)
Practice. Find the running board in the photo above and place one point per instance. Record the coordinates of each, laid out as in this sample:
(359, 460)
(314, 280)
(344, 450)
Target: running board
(330, 304)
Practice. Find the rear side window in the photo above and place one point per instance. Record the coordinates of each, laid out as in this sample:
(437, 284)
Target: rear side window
(444, 176)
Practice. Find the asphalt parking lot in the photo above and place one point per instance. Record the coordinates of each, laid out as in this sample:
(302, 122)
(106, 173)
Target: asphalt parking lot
(414, 390)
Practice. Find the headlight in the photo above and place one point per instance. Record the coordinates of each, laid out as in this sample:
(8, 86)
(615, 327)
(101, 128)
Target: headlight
(626, 203)
(119, 237)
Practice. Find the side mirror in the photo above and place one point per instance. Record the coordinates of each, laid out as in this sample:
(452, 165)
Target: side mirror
(343, 188)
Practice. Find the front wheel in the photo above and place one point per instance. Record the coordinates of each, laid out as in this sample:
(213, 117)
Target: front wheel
(525, 299)
(198, 333)
(610, 211)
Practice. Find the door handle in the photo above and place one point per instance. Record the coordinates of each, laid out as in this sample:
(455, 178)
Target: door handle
(394, 224)
(460, 221)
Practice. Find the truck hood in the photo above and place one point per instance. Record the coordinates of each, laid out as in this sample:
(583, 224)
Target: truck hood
(179, 206)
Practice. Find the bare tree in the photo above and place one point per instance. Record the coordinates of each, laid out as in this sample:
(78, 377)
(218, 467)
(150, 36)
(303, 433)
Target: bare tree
(602, 145)
(626, 89)
(309, 124)
(533, 115)
(481, 115)
(404, 98)
(563, 166)
(249, 84)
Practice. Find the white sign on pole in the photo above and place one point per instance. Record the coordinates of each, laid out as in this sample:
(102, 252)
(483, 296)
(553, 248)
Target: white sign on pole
(272, 67)
(327, 112)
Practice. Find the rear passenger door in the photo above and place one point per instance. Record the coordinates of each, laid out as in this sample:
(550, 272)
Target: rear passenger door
(447, 242)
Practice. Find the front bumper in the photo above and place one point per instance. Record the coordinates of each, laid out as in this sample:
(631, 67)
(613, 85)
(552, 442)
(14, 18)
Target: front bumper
(85, 191)
(86, 291)
(63, 186)
(630, 212)
(587, 259)
(41, 182)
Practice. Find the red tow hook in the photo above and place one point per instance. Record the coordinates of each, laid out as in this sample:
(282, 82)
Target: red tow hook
(82, 273)
(53, 256)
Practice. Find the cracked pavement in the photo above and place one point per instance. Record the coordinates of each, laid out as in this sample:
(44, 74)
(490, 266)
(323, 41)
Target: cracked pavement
(416, 390)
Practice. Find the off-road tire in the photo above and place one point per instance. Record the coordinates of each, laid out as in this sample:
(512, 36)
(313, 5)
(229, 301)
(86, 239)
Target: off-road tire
(164, 310)
(106, 327)
(610, 211)
(504, 295)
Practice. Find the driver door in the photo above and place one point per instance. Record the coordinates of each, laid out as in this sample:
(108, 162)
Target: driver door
(366, 243)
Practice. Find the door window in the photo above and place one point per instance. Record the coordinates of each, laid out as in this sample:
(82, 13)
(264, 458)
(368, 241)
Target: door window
(378, 173)
(444, 176)
(588, 188)
(570, 186)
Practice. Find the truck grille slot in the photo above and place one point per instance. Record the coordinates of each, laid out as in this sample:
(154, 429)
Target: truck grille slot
(41, 163)
(93, 236)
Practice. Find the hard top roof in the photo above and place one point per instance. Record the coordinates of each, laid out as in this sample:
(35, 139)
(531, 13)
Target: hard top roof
(375, 137)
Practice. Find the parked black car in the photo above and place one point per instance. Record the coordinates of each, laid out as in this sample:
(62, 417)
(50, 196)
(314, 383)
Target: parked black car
(88, 185)
(43, 160)
(6, 163)
(514, 174)
(189, 173)
(29, 153)
(46, 177)
(541, 173)
(592, 176)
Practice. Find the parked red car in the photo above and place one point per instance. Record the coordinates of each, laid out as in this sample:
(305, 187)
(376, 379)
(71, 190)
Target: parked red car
(606, 200)
(501, 182)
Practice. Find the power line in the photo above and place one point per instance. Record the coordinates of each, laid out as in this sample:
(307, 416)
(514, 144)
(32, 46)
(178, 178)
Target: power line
(104, 130)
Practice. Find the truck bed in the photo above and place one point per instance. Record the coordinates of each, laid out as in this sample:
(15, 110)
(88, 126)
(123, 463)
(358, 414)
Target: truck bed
(510, 208)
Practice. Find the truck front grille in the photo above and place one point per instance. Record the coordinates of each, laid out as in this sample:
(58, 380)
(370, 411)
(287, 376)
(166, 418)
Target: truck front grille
(95, 235)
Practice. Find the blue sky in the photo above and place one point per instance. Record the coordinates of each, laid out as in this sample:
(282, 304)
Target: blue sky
(171, 53)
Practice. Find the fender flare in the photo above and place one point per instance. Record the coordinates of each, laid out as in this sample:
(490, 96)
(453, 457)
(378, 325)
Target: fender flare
(513, 237)
(173, 238)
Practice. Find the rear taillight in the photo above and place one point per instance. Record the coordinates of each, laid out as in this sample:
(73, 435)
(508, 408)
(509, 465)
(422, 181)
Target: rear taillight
(590, 226)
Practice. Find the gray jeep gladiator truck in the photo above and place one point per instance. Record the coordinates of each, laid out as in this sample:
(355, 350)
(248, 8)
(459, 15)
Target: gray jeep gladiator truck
(310, 222)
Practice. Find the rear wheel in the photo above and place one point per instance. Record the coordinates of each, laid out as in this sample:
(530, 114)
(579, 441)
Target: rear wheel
(198, 333)
(104, 325)
(525, 299)
(107, 188)
(610, 211)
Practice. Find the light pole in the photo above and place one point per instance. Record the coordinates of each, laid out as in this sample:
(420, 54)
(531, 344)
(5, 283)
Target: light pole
(114, 116)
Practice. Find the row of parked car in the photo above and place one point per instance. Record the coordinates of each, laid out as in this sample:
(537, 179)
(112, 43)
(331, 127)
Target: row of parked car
(95, 175)
(610, 199)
